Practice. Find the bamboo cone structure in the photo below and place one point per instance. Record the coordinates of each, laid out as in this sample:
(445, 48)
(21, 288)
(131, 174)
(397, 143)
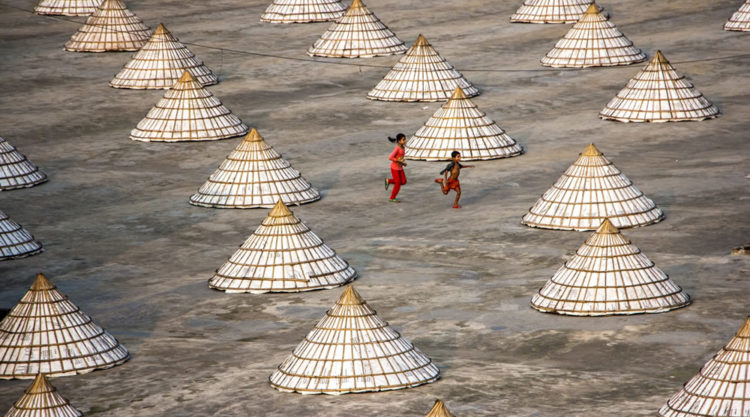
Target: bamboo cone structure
(721, 388)
(589, 191)
(160, 63)
(46, 333)
(15, 241)
(421, 75)
(188, 113)
(254, 175)
(303, 11)
(283, 255)
(550, 11)
(593, 41)
(460, 126)
(112, 27)
(357, 34)
(609, 275)
(740, 20)
(15, 170)
(352, 350)
(41, 399)
(659, 94)
(67, 7)
(439, 410)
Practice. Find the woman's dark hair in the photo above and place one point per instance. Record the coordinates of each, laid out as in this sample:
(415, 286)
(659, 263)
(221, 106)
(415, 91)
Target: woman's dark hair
(397, 138)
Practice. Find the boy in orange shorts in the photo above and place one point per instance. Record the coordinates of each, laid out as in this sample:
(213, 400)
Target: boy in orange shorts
(448, 183)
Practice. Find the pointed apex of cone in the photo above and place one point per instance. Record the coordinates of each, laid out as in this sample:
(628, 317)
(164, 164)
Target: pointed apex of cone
(160, 30)
(659, 58)
(280, 209)
(253, 136)
(41, 283)
(421, 41)
(356, 4)
(439, 410)
(745, 329)
(607, 227)
(40, 385)
(458, 94)
(591, 150)
(350, 296)
(186, 77)
(593, 9)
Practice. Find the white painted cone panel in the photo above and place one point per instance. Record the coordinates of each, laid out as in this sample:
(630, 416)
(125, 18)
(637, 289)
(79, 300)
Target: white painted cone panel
(550, 11)
(67, 7)
(15, 241)
(740, 20)
(303, 11)
(41, 399)
(15, 170)
(112, 27)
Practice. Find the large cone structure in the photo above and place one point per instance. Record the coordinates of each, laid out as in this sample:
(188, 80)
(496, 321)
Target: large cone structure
(67, 7)
(188, 112)
(42, 400)
(303, 11)
(160, 63)
(112, 27)
(358, 34)
(283, 255)
(15, 241)
(721, 388)
(609, 275)
(254, 175)
(421, 75)
(740, 20)
(439, 410)
(589, 191)
(460, 126)
(352, 350)
(46, 333)
(659, 94)
(593, 42)
(550, 11)
(15, 170)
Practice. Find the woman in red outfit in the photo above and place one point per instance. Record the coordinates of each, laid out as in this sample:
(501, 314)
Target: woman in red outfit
(397, 166)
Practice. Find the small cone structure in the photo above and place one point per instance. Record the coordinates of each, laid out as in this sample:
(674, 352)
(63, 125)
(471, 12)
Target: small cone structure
(740, 20)
(46, 333)
(357, 34)
(460, 126)
(720, 389)
(550, 11)
(112, 27)
(42, 400)
(659, 94)
(303, 11)
(593, 41)
(589, 191)
(67, 7)
(160, 63)
(254, 175)
(188, 112)
(15, 170)
(421, 75)
(439, 410)
(352, 350)
(609, 275)
(15, 241)
(283, 255)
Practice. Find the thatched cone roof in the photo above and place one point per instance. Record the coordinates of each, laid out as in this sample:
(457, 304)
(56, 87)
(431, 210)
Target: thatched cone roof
(15, 241)
(550, 11)
(740, 20)
(303, 11)
(42, 400)
(112, 27)
(67, 7)
(15, 170)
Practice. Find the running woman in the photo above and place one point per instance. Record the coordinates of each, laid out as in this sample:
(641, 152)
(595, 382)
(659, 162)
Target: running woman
(397, 166)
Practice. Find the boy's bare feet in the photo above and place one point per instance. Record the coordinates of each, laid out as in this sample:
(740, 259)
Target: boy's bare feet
(439, 180)
(456, 206)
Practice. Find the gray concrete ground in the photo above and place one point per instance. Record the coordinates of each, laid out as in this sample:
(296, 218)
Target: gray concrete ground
(123, 243)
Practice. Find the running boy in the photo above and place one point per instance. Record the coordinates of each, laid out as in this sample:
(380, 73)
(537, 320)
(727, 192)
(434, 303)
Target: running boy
(451, 183)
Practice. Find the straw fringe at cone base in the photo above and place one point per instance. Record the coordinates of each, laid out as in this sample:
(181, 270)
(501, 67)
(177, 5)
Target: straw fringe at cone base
(357, 34)
(46, 333)
(15, 241)
(112, 27)
(160, 63)
(659, 94)
(282, 255)
(722, 386)
(609, 275)
(589, 191)
(41, 399)
(460, 126)
(15, 170)
(352, 350)
(254, 175)
(550, 11)
(439, 410)
(303, 11)
(740, 20)
(67, 7)
(421, 75)
(593, 42)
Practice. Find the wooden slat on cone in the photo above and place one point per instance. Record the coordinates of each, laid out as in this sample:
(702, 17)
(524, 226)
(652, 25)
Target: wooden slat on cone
(46, 333)
(254, 175)
(15, 170)
(740, 20)
(439, 410)
(303, 11)
(593, 41)
(721, 388)
(112, 27)
(460, 126)
(67, 7)
(282, 255)
(15, 241)
(41, 399)
(352, 350)
(160, 63)
(550, 11)
(357, 34)
(609, 275)
(659, 94)
(589, 191)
